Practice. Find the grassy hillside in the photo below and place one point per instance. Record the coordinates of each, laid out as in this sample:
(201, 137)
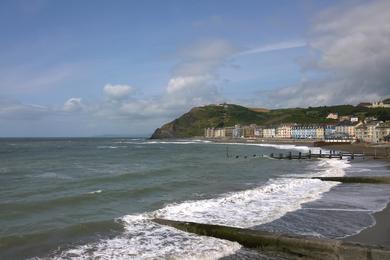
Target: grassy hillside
(193, 123)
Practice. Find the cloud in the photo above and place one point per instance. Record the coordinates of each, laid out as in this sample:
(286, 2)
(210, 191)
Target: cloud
(195, 78)
(118, 91)
(73, 105)
(14, 110)
(274, 47)
(194, 81)
(353, 57)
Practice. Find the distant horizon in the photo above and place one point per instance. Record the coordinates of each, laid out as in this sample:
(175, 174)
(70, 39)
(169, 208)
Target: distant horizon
(169, 120)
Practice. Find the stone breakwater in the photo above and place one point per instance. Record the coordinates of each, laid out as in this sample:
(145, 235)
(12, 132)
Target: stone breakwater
(290, 246)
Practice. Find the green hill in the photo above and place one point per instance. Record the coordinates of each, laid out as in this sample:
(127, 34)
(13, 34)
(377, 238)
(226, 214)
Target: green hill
(193, 122)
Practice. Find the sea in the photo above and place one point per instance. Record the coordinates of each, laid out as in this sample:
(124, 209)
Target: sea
(94, 198)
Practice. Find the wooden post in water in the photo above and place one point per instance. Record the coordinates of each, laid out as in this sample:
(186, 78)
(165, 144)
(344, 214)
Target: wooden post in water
(309, 154)
(341, 156)
(320, 153)
(300, 155)
(280, 156)
(352, 156)
(272, 155)
(289, 155)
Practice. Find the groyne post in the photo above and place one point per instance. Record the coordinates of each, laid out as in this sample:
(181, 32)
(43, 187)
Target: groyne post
(309, 154)
(320, 153)
(299, 155)
(289, 155)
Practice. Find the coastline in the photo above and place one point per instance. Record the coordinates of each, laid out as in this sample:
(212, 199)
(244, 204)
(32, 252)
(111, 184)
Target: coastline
(371, 151)
(377, 234)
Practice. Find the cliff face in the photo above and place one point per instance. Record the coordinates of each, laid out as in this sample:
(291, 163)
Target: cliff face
(166, 131)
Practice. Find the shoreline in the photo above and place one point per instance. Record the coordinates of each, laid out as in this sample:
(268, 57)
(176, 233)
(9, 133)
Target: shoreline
(372, 151)
(377, 234)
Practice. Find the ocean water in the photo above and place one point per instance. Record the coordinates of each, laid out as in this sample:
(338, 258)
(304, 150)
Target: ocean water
(93, 198)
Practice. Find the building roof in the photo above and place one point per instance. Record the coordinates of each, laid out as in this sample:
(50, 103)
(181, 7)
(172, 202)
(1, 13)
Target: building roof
(346, 123)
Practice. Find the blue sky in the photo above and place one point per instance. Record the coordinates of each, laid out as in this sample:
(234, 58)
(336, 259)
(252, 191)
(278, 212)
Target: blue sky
(85, 68)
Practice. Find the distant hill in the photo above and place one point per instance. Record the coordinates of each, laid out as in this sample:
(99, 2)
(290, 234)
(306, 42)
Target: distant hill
(193, 122)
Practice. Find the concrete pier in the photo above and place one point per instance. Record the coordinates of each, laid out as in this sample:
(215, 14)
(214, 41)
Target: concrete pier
(289, 246)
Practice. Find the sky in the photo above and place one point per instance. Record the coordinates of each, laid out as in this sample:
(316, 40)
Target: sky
(91, 68)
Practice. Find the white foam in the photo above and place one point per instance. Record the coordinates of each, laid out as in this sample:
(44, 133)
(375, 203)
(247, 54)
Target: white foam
(250, 207)
(111, 147)
(279, 146)
(185, 141)
(144, 239)
(332, 168)
(95, 192)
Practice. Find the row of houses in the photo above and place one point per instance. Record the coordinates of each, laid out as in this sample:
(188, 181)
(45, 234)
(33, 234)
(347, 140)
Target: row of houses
(373, 132)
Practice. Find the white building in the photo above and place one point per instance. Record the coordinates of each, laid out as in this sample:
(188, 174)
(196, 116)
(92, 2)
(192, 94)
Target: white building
(333, 116)
(269, 132)
(284, 131)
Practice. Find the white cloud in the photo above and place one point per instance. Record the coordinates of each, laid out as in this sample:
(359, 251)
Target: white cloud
(181, 83)
(73, 105)
(275, 47)
(195, 78)
(118, 91)
(353, 46)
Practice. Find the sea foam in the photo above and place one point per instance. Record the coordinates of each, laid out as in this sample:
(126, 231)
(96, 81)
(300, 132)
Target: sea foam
(144, 239)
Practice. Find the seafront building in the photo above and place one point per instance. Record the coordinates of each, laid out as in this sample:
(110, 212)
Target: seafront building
(346, 127)
(284, 131)
(269, 132)
(248, 131)
(370, 131)
(219, 132)
(304, 132)
(237, 131)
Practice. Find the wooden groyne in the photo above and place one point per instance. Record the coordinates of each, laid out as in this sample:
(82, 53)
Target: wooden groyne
(290, 246)
(358, 179)
(304, 156)
(310, 155)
